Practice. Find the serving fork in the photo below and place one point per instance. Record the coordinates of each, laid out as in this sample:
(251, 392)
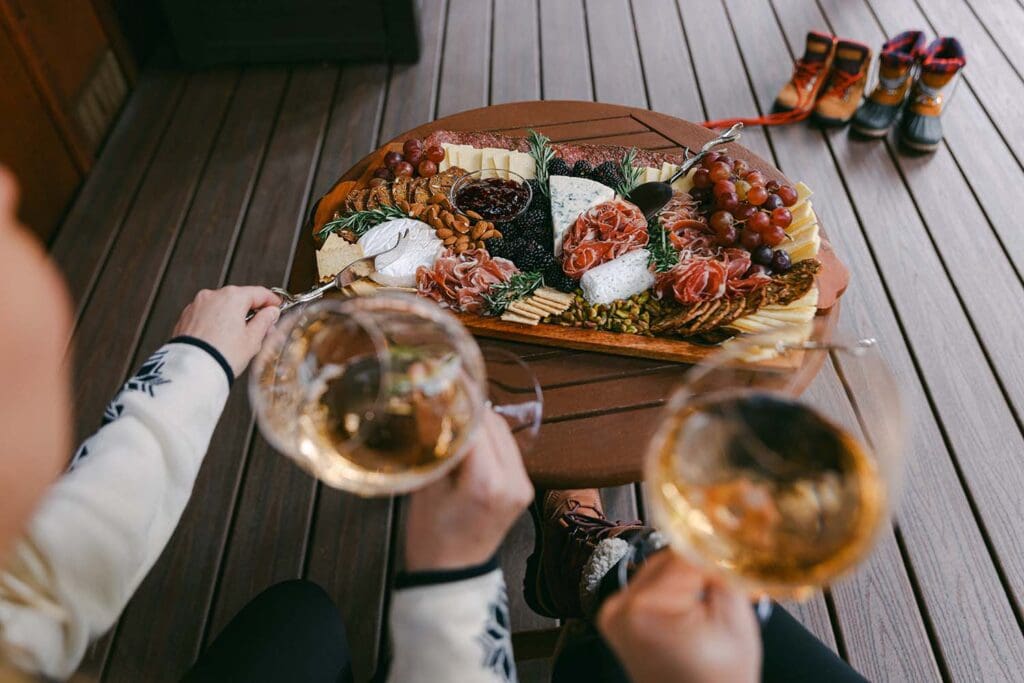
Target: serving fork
(289, 300)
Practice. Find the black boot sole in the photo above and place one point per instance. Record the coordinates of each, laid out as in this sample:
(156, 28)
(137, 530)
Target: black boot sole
(920, 146)
(828, 121)
(871, 132)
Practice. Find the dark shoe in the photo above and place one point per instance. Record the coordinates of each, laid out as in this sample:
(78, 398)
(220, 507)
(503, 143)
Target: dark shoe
(846, 82)
(569, 526)
(921, 127)
(897, 66)
(808, 74)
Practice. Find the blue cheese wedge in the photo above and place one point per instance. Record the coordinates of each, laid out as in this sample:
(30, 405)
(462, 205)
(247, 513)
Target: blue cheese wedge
(569, 198)
(619, 278)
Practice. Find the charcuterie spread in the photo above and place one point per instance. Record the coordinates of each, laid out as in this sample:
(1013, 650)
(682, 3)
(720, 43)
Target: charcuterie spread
(540, 233)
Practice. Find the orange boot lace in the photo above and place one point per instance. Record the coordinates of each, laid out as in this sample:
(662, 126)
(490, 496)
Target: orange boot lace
(804, 73)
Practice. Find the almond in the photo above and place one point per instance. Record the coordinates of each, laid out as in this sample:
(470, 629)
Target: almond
(480, 244)
(474, 215)
(462, 239)
(444, 233)
(449, 241)
(437, 198)
(490, 234)
(436, 223)
(478, 230)
(403, 205)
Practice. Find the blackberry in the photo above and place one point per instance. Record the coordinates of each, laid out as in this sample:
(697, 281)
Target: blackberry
(582, 168)
(555, 277)
(499, 248)
(530, 256)
(532, 224)
(557, 166)
(539, 201)
(607, 174)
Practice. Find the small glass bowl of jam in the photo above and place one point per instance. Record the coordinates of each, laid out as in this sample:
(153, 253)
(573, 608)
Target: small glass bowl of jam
(495, 195)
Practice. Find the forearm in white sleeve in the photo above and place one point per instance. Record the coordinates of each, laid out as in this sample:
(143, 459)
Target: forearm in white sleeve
(103, 525)
(447, 627)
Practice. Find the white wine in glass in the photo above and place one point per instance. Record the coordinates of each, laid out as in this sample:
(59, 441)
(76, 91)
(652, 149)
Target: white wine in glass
(375, 395)
(751, 481)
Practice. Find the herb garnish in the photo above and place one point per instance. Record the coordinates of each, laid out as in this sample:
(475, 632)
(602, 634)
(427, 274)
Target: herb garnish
(540, 150)
(630, 173)
(664, 255)
(504, 294)
(361, 221)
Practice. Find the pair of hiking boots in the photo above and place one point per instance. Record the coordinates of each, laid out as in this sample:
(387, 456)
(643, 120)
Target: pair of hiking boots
(912, 80)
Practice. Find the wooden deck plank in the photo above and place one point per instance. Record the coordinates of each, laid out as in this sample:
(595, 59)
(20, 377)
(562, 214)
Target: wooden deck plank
(515, 55)
(997, 86)
(614, 53)
(565, 66)
(465, 64)
(943, 542)
(94, 221)
(906, 257)
(412, 88)
(350, 538)
(1004, 22)
(268, 534)
(668, 71)
(124, 290)
(163, 622)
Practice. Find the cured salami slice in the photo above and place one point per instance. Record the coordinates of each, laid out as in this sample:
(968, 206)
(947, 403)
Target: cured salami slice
(601, 234)
(460, 281)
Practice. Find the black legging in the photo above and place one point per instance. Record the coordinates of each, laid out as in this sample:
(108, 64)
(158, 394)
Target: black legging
(293, 632)
(290, 632)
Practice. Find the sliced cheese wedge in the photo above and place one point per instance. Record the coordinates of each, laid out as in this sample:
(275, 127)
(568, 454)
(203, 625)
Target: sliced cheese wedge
(667, 170)
(805, 249)
(802, 192)
(487, 163)
(801, 213)
(684, 184)
(803, 233)
(501, 163)
(523, 164)
(651, 175)
(471, 158)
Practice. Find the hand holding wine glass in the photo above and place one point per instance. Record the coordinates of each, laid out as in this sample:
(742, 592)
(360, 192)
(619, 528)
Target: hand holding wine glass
(673, 623)
(459, 521)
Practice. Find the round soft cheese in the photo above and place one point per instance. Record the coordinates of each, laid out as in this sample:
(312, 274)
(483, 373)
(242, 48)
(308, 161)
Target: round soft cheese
(420, 247)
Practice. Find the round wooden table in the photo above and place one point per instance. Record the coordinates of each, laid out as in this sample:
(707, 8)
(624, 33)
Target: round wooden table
(599, 410)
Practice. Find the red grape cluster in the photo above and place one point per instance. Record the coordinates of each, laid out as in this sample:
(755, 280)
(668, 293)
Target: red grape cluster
(413, 160)
(744, 208)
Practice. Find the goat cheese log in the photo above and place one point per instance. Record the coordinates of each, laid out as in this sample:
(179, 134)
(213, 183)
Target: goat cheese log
(619, 278)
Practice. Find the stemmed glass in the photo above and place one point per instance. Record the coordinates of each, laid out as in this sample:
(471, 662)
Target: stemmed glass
(749, 480)
(381, 395)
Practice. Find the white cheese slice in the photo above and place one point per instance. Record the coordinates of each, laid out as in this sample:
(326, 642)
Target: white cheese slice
(803, 250)
(801, 213)
(487, 163)
(667, 170)
(569, 198)
(523, 164)
(788, 314)
(651, 175)
(335, 255)
(619, 278)
(470, 158)
(802, 192)
(803, 233)
(684, 184)
(397, 268)
(454, 154)
(501, 163)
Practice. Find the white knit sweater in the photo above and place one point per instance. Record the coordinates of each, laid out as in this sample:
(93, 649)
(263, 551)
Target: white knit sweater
(101, 527)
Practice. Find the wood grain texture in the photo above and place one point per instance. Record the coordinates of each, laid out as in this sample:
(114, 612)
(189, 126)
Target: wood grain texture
(94, 220)
(565, 64)
(161, 621)
(1004, 22)
(515, 55)
(668, 71)
(465, 67)
(269, 531)
(614, 54)
(125, 289)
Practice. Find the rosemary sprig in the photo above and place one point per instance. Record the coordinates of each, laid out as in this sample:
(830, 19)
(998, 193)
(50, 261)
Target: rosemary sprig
(361, 221)
(630, 173)
(540, 150)
(502, 295)
(664, 255)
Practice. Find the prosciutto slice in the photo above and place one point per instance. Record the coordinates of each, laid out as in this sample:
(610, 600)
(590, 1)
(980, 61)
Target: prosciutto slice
(460, 281)
(602, 234)
(687, 229)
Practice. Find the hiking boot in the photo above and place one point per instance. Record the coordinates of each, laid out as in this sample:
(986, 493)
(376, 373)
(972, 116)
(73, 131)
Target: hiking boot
(574, 547)
(845, 86)
(896, 69)
(808, 74)
(921, 128)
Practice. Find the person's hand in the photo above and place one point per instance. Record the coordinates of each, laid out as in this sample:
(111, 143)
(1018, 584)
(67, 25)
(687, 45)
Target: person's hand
(461, 520)
(217, 317)
(671, 623)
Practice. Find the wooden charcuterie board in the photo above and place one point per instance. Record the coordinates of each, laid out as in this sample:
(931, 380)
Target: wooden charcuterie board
(645, 129)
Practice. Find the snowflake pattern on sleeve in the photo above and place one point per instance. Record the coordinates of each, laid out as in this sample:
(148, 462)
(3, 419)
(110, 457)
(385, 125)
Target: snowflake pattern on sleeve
(149, 376)
(496, 639)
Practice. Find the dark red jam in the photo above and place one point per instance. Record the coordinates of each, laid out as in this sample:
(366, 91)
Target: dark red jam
(496, 199)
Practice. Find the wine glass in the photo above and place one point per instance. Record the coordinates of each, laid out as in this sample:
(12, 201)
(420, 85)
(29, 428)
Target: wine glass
(380, 395)
(751, 481)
